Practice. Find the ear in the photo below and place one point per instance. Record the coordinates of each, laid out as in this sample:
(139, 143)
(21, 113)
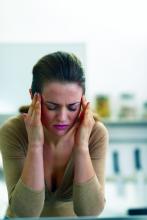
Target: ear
(30, 91)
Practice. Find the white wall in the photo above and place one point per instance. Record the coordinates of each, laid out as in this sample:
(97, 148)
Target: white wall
(16, 63)
(114, 31)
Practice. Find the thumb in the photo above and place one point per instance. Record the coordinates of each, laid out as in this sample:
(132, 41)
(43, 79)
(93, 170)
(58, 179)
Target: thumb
(24, 116)
(74, 128)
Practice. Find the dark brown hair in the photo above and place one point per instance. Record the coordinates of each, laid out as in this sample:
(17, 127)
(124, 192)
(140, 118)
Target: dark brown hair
(58, 66)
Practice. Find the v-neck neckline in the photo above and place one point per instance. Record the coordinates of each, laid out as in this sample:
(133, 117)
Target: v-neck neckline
(59, 189)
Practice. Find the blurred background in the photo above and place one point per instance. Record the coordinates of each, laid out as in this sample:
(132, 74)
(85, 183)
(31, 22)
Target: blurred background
(110, 38)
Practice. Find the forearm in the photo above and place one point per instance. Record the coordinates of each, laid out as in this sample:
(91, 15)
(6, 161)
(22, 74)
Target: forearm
(83, 168)
(27, 198)
(33, 171)
(88, 198)
(25, 202)
(88, 194)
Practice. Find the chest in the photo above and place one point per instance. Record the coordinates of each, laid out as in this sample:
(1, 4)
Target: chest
(55, 179)
(55, 164)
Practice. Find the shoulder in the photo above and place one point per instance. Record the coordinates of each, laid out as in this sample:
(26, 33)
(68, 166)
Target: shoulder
(98, 141)
(12, 123)
(13, 130)
(99, 130)
(13, 137)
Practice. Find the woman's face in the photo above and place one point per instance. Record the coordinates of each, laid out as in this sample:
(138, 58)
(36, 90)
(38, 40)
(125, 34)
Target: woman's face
(60, 106)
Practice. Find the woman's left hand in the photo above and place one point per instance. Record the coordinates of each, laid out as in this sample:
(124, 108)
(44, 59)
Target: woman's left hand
(77, 137)
(86, 123)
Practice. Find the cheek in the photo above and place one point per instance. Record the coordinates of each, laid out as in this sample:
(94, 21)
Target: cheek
(46, 117)
(75, 116)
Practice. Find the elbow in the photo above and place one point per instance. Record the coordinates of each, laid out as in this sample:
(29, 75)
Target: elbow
(22, 212)
(94, 209)
(101, 207)
(25, 202)
(19, 211)
(22, 209)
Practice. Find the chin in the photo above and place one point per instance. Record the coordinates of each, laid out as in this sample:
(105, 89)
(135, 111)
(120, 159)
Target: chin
(59, 133)
(56, 132)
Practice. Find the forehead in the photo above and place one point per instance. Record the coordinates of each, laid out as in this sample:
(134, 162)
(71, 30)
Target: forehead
(62, 92)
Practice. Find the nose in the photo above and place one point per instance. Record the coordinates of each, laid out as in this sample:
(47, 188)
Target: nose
(62, 115)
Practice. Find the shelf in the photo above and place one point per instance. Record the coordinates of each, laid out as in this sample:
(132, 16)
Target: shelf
(120, 141)
(125, 122)
(126, 179)
(127, 131)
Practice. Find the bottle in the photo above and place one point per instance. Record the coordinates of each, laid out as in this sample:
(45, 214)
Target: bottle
(144, 115)
(140, 179)
(118, 176)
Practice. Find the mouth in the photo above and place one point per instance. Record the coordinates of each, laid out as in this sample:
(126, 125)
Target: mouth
(61, 127)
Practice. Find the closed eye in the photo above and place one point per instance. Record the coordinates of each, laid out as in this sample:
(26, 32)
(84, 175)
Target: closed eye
(51, 106)
(73, 107)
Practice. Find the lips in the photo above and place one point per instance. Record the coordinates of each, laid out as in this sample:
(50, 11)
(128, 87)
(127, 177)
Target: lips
(61, 127)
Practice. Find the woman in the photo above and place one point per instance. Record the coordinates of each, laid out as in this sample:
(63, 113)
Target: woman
(54, 154)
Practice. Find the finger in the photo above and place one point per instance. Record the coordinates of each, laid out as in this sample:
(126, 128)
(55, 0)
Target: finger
(88, 116)
(83, 105)
(30, 112)
(88, 110)
(36, 115)
(74, 127)
(72, 130)
(82, 115)
(39, 97)
(24, 116)
(84, 101)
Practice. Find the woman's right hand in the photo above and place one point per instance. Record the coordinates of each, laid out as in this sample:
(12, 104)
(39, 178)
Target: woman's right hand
(33, 122)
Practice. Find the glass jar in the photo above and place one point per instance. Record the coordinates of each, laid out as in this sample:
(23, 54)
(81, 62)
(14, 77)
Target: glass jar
(103, 106)
(127, 109)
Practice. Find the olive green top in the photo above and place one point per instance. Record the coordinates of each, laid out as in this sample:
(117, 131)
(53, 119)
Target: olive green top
(69, 199)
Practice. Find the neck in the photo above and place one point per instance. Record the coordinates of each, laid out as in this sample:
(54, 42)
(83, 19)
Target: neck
(51, 137)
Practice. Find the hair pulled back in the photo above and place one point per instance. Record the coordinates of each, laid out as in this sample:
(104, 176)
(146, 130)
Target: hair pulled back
(57, 67)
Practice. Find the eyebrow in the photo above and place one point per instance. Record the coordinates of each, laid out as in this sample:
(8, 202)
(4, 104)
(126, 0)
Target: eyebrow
(48, 102)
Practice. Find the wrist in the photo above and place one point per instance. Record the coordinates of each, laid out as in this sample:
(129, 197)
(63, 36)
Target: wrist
(35, 147)
(81, 149)
(82, 143)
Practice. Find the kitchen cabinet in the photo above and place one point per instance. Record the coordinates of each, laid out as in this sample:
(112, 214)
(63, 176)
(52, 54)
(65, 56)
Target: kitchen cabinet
(126, 166)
